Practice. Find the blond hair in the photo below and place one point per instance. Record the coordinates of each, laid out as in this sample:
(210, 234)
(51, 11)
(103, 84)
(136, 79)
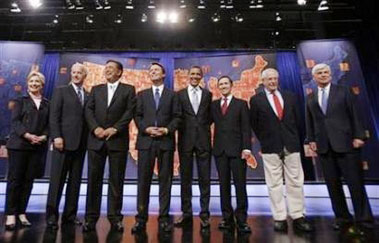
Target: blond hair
(40, 76)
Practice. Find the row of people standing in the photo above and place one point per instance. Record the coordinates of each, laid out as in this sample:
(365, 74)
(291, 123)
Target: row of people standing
(158, 113)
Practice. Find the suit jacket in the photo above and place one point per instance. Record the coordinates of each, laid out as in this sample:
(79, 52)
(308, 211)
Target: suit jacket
(275, 134)
(67, 117)
(232, 132)
(118, 115)
(194, 129)
(167, 115)
(339, 126)
(27, 118)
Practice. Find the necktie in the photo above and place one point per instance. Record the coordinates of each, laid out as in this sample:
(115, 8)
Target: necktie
(324, 101)
(224, 106)
(195, 100)
(80, 96)
(156, 98)
(278, 106)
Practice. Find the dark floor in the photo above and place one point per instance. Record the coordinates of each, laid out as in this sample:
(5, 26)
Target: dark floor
(261, 225)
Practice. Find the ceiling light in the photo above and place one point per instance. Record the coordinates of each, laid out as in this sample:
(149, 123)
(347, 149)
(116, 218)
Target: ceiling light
(201, 4)
(118, 19)
(182, 4)
(107, 5)
(56, 19)
(277, 17)
(35, 3)
(238, 18)
(15, 8)
(161, 17)
(129, 4)
(229, 4)
(324, 5)
(301, 2)
(144, 18)
(89, 19)
(98, 5)
(78, 5)
(173, 17)
(216, 17)
(151, 4)
(69, 4)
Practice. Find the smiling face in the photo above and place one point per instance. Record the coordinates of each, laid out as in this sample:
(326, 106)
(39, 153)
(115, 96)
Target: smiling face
(322, 76)
(35, 85)
(195, 76)
(225, 86)
(271, 80)
(77, 75)
(156, 74)
(112, 72)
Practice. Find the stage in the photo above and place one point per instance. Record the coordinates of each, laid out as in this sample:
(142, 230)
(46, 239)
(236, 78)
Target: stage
(317, 205)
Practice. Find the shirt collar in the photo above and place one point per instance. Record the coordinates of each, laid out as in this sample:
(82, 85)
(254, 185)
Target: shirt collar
(229, 97)
(268, 92)
(191, 88)
(77, 87)
(160, 87)
(326, 88)
(115, 84)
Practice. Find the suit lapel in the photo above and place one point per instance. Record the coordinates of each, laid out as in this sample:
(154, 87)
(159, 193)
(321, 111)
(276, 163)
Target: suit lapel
(202, 99)
(163, 98)
(314, 101)
(267, 102)
(331, 97)
(73, 93)
(188, 101)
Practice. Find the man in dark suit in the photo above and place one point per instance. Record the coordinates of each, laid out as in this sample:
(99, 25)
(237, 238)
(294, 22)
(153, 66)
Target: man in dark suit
(69, 133)
(157, 118)
(109, 110)
(231, 147)
(275, 119)
(335, 132)
(195, 139)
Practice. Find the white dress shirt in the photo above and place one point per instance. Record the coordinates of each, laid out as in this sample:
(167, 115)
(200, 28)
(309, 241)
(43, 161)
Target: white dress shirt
(326, 90)
(112, 87)
(229, 99)
(190, 90)
(78, 89)
(160, 88)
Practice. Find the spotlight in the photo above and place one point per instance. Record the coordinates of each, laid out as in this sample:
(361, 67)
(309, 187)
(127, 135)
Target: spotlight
(222, 4)
(182, 4)
(278, 18)
(173, 17)
(151, 4)
(301, 2)
(201, 4)
(191, 19)
(56, 19)
(229, 4)
(129, 4)
(107, 5)
(144, 18)
(35, 3)
(89, 19)
(98, 5)
(161, 17)
(216, 17)
(118, 19)
(15, 8)
(69, 4)
(260, 4)
(78, 5)
(324, 5)
(238, 18)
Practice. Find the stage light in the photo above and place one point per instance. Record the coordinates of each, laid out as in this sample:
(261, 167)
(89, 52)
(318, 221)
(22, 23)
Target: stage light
(301, 2)
(260, 4)
(238, 18)
(191, 19)
(78, 5)
(56, 19)
(222, 4)
(277, 17)
(69, 4)
(89, 19)
(324, 5)
(14, 7)
(182, 4)
(144, 18)
(129, 4)
(229, 4)
(118, 19)
(151, 4)
(201, 4)
(216, 17)
(173, 17)
(161, 17)
(98, 5)
(35, 3)
(107, 5)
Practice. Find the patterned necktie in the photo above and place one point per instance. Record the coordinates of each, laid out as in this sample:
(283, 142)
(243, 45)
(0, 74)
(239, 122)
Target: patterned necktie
(195, 100)
(278, 106)
(224, 106)
(324, 101)
(80, 95)
(157, 97)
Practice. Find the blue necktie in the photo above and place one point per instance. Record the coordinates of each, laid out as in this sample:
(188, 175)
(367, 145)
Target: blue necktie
(324, 101)
(80, 96)
(156, 98)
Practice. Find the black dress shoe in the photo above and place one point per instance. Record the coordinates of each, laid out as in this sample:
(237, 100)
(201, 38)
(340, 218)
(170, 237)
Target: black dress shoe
(52, 225)
(340, 224)
(244, 228)
(88, 227)
(183, 221)
(138, 227)
(226, 225)
(71, 222)
(165, 226)
(302, 224)
(118, 226)
(10, 227)
(204, 224)
(25, 224)
(280, 225)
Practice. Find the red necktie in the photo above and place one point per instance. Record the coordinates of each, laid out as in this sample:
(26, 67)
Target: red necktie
(278, 106)
(224, 106)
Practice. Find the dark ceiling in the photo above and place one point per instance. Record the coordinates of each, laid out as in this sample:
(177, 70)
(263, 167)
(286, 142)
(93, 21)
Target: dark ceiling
(258, 30)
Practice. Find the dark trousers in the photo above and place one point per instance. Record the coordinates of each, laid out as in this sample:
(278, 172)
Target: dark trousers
(117, 165)
(23, 166)
(146, 161)
(186, 170)
(226, 166)
(348, 165)
(66, 163)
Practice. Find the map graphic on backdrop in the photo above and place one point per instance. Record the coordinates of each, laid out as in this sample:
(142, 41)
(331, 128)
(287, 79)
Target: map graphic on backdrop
(342, 57)
(245, 71)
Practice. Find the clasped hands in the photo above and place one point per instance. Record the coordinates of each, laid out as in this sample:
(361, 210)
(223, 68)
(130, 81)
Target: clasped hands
(106, 134)
(34, 139)
(156, 131)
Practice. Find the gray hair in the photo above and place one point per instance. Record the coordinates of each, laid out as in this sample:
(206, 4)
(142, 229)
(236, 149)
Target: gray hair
(267, 71)
(320, 66)
(81, 66)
